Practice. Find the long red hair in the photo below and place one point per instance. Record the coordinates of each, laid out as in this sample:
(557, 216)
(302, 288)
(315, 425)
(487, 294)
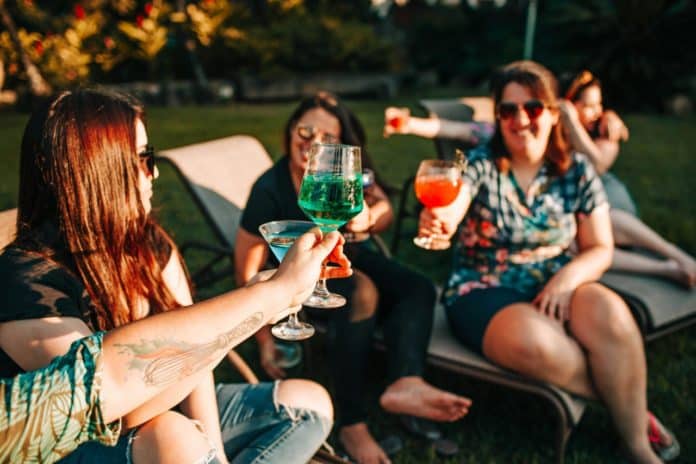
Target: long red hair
(79, 176)
(542, 85)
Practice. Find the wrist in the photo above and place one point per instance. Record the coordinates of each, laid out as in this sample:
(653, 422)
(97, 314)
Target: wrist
(276, 296)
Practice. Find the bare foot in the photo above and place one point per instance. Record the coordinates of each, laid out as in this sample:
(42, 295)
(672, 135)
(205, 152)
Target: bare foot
(681, 273)
(415, 397)
(361, 446)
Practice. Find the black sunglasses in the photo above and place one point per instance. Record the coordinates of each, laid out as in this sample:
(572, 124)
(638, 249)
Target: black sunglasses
(307, 133)
(533, 108)
(147, 160)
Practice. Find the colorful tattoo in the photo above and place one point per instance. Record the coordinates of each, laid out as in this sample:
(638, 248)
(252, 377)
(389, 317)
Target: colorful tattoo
(166, 361)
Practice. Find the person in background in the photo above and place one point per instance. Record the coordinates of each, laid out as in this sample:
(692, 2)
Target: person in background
(380, 288)
(89, 257)
(143, 359)
(516, 293)
(598, 132)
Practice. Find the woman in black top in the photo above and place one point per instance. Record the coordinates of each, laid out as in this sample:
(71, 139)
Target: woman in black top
(381, 288)
(88, 257)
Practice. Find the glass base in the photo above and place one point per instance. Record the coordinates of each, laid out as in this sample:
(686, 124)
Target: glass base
(330, 300)
(287, 331)
(432, 243)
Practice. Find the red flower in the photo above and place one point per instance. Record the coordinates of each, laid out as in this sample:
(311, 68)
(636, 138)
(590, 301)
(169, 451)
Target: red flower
(38, 47)
(79, 11)
(487, 229)
(148, 9)
(139, 21)
(109, 42)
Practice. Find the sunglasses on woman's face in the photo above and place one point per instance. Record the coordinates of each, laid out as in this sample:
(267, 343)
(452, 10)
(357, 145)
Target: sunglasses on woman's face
(533, 108)
(147, 160)
(308, 133)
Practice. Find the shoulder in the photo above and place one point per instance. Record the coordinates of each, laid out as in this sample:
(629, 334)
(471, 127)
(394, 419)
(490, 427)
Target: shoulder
(35, 286)
(481, 160)
(271, 179)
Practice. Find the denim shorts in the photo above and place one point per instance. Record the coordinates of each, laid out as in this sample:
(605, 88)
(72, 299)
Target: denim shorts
(255, 428)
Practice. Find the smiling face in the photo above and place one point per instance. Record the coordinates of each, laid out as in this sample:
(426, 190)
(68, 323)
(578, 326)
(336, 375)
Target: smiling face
(589, 106)
(145, 178)
(322, 127)
(525, 137)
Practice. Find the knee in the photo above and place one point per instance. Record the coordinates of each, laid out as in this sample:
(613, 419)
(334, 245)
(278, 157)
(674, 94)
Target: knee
(305, 394)
(365, 298)
(529, 354)
(600, 311)
(169, 437)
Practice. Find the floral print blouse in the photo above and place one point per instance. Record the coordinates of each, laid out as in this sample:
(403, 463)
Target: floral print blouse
(512, 239)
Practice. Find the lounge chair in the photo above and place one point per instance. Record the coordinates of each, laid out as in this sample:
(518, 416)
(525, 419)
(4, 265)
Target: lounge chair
(219, 175)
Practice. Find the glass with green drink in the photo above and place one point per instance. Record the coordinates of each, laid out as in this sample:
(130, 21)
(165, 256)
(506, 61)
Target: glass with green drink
(330, 195)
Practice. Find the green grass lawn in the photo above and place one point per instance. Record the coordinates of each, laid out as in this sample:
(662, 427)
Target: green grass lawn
(502, 426)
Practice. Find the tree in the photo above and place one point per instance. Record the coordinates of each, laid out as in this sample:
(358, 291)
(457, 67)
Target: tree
(37, 84)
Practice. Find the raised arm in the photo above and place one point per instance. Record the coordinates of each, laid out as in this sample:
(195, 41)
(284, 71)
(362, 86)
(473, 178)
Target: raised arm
(400, 121)
(147, 356)
(602, 151)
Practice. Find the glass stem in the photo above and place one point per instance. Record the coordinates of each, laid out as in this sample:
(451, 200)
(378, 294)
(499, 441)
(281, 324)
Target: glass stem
(320, 288)
(293, 320)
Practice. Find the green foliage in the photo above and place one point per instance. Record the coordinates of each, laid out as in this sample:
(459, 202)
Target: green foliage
(637, 47)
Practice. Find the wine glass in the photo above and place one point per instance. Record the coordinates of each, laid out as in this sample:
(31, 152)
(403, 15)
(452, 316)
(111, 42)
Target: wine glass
(368, 180)
(437, 184)
(330, 195)
(280, 236)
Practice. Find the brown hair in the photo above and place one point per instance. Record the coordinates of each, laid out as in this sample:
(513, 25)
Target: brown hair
(352, 131)
(542, 85)
(79, 176)
(584, 80)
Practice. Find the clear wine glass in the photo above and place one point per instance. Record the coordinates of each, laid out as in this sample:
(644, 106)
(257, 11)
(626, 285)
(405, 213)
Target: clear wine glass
(368, 180)
(437, 184)
(330, 195)
(280, 236)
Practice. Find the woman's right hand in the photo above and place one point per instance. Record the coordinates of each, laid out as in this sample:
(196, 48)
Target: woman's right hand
(442, 222)
(396, 120)
(302, 265)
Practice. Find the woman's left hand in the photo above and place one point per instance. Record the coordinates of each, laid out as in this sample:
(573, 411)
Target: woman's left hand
(361, 222)
(554, 299)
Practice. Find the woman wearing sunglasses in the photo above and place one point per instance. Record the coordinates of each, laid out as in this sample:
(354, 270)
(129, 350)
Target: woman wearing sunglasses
(89, 257)
(380, 288)
(598, 132)
(516, 294)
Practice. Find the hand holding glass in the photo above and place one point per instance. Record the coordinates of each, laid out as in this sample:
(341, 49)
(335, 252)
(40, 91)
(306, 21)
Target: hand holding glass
(281, 235)
(437, 184)
(368, 180)
(330, 195)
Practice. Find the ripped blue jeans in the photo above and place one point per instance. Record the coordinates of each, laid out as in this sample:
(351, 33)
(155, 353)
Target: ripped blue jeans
(255, 429)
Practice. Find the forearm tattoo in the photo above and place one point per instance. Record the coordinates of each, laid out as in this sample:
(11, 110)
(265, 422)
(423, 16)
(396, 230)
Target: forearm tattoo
(166, 361)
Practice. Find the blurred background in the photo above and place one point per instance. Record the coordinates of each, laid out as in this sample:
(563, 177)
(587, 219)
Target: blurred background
(217, 50)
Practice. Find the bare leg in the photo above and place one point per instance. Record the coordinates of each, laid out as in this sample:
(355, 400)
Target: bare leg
(169, 437)
(605, 328)
(521, 339)
(631, 231)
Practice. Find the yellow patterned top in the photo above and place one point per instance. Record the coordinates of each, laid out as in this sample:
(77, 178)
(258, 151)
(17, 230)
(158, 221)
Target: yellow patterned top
(45, 414)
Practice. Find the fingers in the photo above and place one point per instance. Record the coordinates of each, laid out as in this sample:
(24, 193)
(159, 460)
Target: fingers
(261, 276)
